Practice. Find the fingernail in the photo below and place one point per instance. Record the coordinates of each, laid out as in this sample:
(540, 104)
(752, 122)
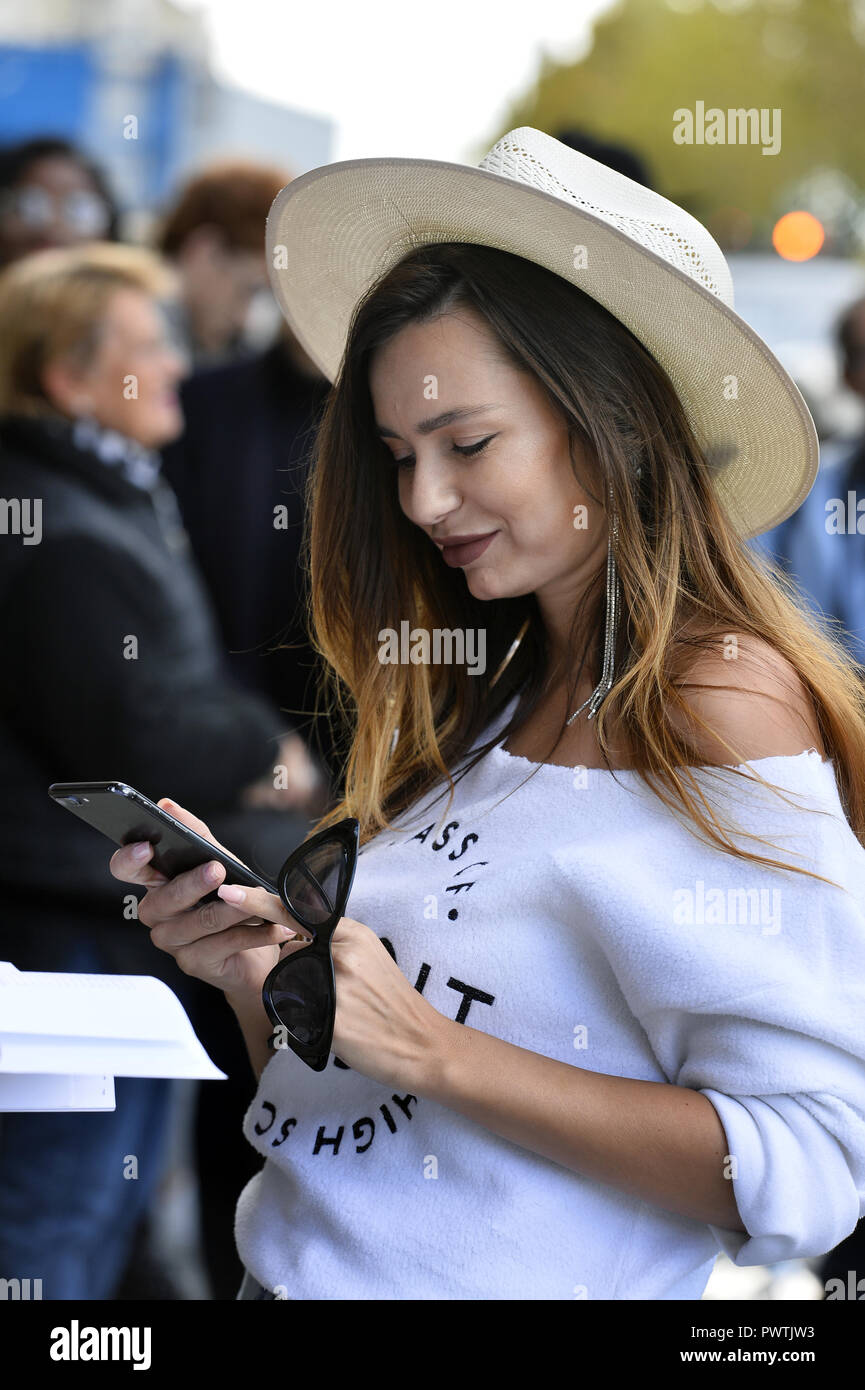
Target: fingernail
(211, 873)
(141, 850)
(231, 893)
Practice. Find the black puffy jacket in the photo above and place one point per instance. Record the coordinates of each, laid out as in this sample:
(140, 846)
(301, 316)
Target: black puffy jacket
(111, 666)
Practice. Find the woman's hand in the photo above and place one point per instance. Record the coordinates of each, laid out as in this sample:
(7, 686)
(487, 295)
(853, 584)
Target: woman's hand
(223, 945)
(383, 1027)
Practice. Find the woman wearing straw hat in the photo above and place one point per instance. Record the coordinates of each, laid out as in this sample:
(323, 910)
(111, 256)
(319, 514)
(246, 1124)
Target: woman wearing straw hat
(599, 1002)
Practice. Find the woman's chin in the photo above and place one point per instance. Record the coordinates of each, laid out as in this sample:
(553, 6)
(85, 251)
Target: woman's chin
(162, 431)
(485, 586)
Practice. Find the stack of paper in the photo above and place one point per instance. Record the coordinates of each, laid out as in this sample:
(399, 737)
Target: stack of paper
(63, 1038)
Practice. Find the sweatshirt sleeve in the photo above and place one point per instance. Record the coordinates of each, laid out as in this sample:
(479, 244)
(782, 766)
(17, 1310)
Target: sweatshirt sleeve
(96, 680)
(750, 985)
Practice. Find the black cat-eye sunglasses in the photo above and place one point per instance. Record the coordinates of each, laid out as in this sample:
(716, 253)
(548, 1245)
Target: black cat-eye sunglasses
(299, 994)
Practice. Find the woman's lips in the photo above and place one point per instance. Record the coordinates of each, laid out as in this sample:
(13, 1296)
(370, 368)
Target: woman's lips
(456, 555)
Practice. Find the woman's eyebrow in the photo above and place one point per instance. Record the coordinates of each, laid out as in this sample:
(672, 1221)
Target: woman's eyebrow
(437, 422)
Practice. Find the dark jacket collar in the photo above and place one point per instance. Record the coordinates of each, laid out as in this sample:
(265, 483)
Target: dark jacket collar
(51, 440)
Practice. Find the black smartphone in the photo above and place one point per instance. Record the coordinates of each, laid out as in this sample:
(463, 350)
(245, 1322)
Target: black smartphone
(125, 815)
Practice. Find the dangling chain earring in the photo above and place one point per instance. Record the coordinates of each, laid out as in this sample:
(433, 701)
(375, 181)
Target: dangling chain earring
(611, 626)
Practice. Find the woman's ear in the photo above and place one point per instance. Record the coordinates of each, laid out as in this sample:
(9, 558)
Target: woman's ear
(66, 388)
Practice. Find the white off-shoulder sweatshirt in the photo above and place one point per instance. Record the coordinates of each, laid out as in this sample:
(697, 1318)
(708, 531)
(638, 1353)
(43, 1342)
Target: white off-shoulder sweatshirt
(582, 919)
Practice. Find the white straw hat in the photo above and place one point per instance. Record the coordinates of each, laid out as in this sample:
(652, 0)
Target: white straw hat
(333, 231)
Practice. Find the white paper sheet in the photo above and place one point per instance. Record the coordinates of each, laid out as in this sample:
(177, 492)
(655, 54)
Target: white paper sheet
(20, 1091)
(97, 1026)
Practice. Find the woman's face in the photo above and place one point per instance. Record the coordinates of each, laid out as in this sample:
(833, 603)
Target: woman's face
(55, 203)
(520, 486)
(219, 282)
(130, 385)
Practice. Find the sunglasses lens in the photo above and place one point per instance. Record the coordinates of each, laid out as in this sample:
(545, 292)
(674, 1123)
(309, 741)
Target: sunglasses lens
(300, 996)
(312, 887)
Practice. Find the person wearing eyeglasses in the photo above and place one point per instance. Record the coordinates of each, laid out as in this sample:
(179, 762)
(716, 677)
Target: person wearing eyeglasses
(567, 994)
(51, 194)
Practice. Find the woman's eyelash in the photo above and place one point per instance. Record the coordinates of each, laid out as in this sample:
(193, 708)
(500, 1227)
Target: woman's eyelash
(466, 450)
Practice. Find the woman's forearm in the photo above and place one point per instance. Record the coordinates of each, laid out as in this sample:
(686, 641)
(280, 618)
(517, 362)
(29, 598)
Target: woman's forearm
(665, 1144)
(256, 1028)
(662, 1143)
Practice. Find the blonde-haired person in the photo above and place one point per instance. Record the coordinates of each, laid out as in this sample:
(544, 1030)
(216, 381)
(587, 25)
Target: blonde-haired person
(599, 1001)
(84, 337)
(112, 668)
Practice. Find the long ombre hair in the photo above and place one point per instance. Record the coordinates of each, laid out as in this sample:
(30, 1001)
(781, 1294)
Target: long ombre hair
(678, 555)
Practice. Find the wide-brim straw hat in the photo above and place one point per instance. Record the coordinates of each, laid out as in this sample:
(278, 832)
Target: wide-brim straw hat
(335, 230)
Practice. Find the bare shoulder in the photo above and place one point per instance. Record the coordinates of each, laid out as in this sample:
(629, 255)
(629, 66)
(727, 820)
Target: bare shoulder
(749, 693)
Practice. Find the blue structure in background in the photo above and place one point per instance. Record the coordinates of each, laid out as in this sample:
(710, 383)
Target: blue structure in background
(84, 91)
(45, 86)
(167, 100)
(54, 91)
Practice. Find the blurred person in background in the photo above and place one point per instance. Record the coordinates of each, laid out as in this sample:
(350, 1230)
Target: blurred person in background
(822, 545)
(239, 472)
(113, 669)
(214, 236)
(51, 194)
(619, 157)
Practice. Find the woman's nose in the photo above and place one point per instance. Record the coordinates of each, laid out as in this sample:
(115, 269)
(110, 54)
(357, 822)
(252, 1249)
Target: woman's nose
(431, 493)
(175, 364)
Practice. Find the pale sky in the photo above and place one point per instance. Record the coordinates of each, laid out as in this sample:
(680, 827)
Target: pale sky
(429, 81)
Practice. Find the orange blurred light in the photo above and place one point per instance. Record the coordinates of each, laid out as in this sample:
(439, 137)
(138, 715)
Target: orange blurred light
(797, 236)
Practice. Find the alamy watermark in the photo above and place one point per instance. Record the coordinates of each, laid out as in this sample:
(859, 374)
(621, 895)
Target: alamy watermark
(736, 126)
(702, 906)
(77, 1343)
(441, 646)
(20, 1289)
(845, 518)
(21, 516)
